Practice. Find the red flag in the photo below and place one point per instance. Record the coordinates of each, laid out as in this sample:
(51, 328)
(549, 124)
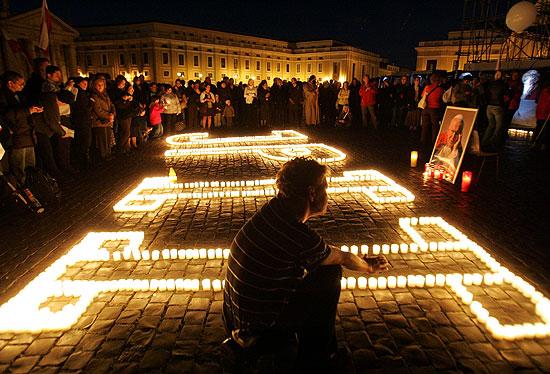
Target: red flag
(45, 28)
(16, 46)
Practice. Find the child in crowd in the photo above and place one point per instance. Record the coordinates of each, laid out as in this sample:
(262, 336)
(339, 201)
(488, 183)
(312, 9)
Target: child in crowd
(344, 119)
(228, 113)
(218, 108)
(155, 111)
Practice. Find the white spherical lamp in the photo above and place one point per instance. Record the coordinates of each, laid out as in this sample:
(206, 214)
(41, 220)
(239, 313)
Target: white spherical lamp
(521, 16)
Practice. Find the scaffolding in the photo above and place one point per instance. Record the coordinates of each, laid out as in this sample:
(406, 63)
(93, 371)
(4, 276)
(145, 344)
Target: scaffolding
(486, 41)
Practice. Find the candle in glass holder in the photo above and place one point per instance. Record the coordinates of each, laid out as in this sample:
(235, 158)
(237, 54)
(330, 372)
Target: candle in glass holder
(436, 174)
(466, 181)
(414, 158)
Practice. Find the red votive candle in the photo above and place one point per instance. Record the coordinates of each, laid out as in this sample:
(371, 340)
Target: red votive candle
(466, 181)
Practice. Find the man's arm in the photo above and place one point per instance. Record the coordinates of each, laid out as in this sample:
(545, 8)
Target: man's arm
(354, 262)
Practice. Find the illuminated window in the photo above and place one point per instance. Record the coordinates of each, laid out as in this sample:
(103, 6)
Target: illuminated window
(235, 63)
(309, 68)
(268, 66)
(247, 64)
(298, 68)
(278, 67)
(258, 65)
(320, 68)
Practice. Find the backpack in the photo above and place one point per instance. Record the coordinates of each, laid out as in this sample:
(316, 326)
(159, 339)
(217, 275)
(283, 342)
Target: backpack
(43, 186)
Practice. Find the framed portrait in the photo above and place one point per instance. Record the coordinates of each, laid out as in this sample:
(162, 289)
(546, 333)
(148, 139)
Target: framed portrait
(452, 141)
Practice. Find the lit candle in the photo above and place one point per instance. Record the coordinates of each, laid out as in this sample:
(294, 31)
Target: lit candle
(414, 158)
(362, 283)
(436, 173)
(466, 181)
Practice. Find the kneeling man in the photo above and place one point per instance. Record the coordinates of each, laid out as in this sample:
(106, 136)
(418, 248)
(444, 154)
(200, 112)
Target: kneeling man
(282, 276)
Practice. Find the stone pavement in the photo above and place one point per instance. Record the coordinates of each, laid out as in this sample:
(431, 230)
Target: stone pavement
(397, 330)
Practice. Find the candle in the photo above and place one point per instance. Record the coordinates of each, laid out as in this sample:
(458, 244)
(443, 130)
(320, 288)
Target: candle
(414, 158)
(436, 174)
(466, 181)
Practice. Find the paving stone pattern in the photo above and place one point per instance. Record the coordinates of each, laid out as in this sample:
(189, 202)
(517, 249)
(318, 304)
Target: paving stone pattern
(398, 330)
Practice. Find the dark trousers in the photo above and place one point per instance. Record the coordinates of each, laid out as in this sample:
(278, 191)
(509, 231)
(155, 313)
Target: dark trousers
(430, 126)
(193, 121)
(45, 155)
(311, 313)
(169, 122)
(295, 114)
(81, 146)
(124, 125)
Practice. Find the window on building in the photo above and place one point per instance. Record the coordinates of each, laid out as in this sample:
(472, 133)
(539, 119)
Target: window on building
(288, 68)
(196, 75)
(335, 69)
(235, 63)
(298, 68)
(121, 59)
(133, 58)
(431, 64)
(278, 67)
(320, 68)
(246, 76)
(210, 61)
(247, 64)
(309, 68)
(145, 73)
(258, 77)
(145, 58)
(268, 78)
(222, 62)
(165, 58)
(88, 60)
(195, 60)
(268, 66)
(210, 75)
(181, 59)
(166, 73)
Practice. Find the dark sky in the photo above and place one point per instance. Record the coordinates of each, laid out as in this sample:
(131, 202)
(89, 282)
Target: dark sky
(391, 28)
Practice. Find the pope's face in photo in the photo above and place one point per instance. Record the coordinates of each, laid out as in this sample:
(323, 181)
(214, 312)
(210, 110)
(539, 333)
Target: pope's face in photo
(455, 130)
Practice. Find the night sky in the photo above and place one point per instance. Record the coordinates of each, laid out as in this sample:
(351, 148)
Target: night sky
(391, 28)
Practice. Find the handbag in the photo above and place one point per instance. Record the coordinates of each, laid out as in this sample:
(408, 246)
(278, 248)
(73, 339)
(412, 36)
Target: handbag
(422, 103)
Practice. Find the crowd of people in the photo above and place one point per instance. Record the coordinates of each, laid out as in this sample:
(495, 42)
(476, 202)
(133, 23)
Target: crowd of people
(63, 126)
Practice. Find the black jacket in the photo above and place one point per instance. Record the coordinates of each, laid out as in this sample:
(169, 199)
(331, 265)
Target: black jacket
(15, 114)
(81, 110)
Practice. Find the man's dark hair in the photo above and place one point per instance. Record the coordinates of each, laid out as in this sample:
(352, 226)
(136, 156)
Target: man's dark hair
(50, 69)
(10, 76)
(298, 175)
(36, 62)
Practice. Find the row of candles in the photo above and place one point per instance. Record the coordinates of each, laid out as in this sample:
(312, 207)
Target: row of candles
(288, 151)
(23, 312)
(387, 191)
(201, 138)
(521, 134)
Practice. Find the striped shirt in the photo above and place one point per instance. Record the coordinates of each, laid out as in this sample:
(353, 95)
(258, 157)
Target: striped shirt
(270, 256)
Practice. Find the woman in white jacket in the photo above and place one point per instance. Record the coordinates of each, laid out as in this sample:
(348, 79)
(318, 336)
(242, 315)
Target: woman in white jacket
(172, 108)
(250, 104)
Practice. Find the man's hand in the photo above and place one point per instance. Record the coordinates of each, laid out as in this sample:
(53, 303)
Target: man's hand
(377, 264)
(36, 109)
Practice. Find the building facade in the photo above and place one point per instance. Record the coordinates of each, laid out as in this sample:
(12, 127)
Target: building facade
(164, 52)
(19, 39)
(486, 54)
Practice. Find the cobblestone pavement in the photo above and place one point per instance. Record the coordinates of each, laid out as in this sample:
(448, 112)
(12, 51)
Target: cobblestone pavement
(397, 330)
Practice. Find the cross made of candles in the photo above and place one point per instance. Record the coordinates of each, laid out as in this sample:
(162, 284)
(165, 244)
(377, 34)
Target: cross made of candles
(152, 192)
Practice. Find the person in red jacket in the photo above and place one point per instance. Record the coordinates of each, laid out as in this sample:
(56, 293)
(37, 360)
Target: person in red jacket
(432, 114)
(543, 115)
(155, 111)
(368, 101)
